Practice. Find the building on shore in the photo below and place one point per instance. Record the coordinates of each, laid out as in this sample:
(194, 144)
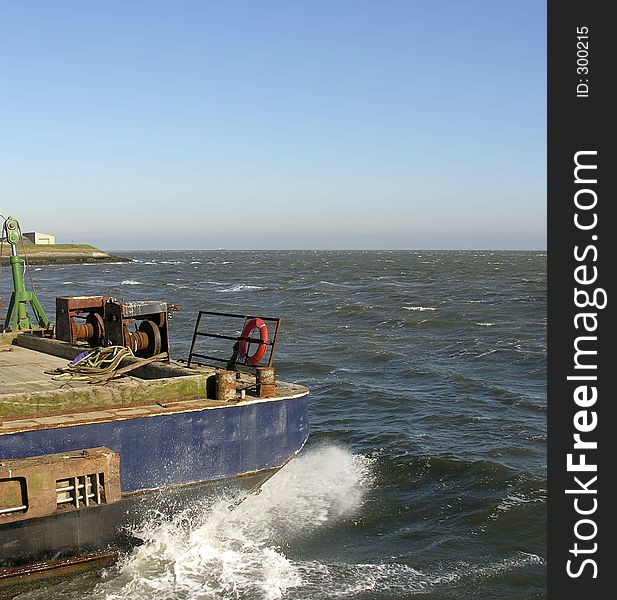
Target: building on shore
(36, 237)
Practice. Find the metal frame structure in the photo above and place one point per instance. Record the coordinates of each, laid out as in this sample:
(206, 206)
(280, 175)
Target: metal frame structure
(246, 318)
(17, 317)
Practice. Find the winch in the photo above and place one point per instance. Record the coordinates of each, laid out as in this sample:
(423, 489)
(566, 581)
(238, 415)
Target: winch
(103, 321)
(148, 338)
(81, 318)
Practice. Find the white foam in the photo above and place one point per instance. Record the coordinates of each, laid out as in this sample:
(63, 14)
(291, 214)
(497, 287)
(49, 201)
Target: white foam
(241, 288)
(420, 308)
(131, 282)
(232, 552)
(396, 579)
(513, 500)
(332, 283)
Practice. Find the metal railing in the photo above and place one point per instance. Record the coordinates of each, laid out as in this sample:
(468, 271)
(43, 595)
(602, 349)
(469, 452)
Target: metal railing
(234, 358)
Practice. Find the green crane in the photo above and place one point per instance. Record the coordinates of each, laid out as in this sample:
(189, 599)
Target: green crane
(17, 315)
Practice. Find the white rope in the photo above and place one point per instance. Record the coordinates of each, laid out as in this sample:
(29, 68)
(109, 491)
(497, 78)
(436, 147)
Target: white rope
(101, 361)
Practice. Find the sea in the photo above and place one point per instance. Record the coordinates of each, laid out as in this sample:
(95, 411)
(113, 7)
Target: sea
(424, 475)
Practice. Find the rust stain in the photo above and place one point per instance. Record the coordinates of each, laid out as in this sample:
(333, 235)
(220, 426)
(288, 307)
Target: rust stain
(65, 566)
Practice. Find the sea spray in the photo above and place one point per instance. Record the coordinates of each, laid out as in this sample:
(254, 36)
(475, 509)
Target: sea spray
(226, 549)
(400, 385)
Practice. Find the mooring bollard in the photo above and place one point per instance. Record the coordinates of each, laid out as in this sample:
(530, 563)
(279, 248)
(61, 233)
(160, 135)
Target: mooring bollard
(226, 386)
(266, 382)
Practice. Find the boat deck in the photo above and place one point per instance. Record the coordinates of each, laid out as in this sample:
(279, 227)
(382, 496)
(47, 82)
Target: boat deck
(23, 370)
(30, 397)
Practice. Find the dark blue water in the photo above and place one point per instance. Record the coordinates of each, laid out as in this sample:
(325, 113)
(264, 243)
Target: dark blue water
(425, 472)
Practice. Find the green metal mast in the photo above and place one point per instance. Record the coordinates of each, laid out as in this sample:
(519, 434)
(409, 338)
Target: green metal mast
(17, 314)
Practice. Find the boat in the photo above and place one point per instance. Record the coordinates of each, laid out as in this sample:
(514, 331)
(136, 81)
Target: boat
(99, 425)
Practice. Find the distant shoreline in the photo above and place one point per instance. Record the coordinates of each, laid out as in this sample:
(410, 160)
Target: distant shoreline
(61, 254)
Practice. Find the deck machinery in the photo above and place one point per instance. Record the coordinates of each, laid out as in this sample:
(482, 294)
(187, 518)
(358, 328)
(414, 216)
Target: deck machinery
(17, 318)
(103, 321)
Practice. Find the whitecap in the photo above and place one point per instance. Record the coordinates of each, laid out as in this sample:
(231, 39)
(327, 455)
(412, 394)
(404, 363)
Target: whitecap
(513, 500)
(419, 308)
(131, 282)
(241, 288)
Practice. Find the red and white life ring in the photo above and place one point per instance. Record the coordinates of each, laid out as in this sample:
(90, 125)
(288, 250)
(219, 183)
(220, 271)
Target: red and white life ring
(251, 325)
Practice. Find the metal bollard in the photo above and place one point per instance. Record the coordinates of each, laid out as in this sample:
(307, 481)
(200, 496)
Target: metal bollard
(226, 386)
(266, 382)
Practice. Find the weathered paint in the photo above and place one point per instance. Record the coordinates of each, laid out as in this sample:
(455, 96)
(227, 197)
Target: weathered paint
(179, 448)
(126, 392)
(32, 482)
(18, 580)
(169, 447)
(38, 544)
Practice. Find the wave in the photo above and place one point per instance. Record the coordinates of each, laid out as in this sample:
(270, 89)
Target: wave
(442, 379)
(131, 282)
(241, 288)
(235, 551)
(515, 499)
(395, 579)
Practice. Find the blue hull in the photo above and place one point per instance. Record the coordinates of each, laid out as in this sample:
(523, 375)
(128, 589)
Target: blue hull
(180, 448)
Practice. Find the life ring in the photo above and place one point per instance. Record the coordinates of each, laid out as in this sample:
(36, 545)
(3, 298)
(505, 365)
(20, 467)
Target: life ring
(263, 339)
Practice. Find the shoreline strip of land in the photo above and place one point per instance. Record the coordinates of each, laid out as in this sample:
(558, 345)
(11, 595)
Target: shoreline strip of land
(60, 254)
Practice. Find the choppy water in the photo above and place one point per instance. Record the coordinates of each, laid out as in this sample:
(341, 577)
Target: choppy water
(425, 473)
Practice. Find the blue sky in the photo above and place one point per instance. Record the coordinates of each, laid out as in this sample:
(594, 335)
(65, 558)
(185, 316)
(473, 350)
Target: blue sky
(275, 124)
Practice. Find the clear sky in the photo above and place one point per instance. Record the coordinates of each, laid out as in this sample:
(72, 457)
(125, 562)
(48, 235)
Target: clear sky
(275, 124)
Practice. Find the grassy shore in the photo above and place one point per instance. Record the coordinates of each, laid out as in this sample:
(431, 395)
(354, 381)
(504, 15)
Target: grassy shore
(60, 254)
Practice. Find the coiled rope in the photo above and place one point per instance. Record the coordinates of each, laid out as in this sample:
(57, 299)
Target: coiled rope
(101, 361)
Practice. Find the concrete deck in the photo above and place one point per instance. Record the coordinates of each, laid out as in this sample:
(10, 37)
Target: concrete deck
(30, 398)
(23, 370)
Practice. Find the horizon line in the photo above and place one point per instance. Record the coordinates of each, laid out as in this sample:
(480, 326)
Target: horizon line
(329, 250)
